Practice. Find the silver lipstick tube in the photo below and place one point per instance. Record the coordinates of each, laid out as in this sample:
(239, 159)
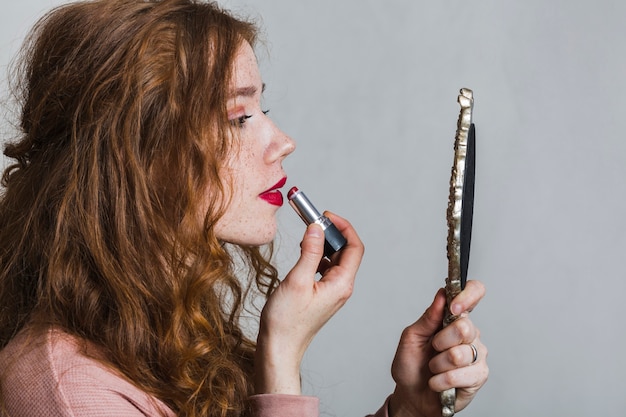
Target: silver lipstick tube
(309, 214)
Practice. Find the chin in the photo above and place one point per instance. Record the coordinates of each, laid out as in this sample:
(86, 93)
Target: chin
(255, 238)
(266, 239)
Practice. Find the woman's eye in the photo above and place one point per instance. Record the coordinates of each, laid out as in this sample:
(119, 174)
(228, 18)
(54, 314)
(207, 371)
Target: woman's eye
(266, 111)
(239, 121)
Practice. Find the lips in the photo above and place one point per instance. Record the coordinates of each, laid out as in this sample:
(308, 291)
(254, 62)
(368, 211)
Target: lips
(273, 194)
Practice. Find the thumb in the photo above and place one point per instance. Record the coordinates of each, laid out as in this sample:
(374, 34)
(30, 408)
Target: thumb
(312, 251)
(431, 321)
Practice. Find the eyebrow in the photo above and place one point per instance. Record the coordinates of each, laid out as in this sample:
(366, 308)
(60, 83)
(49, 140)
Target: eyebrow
(245, 91)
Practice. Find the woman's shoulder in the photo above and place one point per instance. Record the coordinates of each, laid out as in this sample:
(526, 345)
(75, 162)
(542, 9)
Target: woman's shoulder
(48, 374)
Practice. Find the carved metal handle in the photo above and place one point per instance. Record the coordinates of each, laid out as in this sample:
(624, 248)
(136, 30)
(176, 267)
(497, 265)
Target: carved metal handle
(459, 217)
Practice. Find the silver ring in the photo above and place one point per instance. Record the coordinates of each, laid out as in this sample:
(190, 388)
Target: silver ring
(474, 353)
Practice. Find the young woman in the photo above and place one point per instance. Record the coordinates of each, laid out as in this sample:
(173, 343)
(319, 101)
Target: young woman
(145, 176)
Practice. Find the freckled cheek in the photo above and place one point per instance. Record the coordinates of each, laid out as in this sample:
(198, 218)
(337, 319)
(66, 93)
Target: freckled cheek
(270, 152)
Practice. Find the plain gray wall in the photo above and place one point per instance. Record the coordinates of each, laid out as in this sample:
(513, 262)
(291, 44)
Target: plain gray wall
(368, 89)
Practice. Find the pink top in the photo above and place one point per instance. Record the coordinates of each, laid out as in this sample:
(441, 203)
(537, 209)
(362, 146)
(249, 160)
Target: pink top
(53, 378)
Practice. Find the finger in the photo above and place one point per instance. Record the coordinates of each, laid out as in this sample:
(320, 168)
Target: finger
(459, 332)
(468, 298)
(351, 254)
(465, 379)
(311, 253)
(458, 357)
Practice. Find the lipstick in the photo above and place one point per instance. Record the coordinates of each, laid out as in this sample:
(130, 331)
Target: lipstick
(307, 212)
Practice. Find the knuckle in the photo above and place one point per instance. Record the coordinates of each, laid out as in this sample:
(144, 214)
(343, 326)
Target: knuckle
(484, 350)
(433, 366)
(407, 332)
(456, 356)
(480, 376)
(451, 379)
(485, 374)
(464, 329)
(358, 245)
(479, 287)
(436, 345)
(344, 292)
(485, 370)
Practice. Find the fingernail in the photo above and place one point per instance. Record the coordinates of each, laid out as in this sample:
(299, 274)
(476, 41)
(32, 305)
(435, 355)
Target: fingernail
(314, 231)
(455, 309)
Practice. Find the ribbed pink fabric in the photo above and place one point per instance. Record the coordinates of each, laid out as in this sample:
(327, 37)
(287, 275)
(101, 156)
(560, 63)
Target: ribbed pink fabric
(50, 377)
(284, 405)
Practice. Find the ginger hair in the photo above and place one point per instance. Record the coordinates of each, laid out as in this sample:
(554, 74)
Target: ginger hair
(107, 212)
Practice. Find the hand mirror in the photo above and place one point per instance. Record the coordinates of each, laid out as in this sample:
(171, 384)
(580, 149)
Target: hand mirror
(459, 216)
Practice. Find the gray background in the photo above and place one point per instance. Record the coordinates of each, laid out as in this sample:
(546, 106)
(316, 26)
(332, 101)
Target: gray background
(368, 89)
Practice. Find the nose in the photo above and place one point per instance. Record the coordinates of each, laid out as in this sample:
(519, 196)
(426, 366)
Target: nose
(282, 145)
(289, 145)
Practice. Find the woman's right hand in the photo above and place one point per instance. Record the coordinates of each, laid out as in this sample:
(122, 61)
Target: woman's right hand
(301, 305)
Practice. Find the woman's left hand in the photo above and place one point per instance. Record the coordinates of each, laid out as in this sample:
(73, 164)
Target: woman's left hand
(430, 359)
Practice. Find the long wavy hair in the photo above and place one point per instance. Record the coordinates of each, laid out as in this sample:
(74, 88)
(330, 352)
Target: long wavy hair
(107, 212)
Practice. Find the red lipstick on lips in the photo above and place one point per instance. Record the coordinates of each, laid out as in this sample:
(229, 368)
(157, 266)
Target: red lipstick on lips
(273, 194)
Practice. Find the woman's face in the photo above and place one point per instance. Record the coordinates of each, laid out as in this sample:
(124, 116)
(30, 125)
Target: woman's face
(255, 169)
